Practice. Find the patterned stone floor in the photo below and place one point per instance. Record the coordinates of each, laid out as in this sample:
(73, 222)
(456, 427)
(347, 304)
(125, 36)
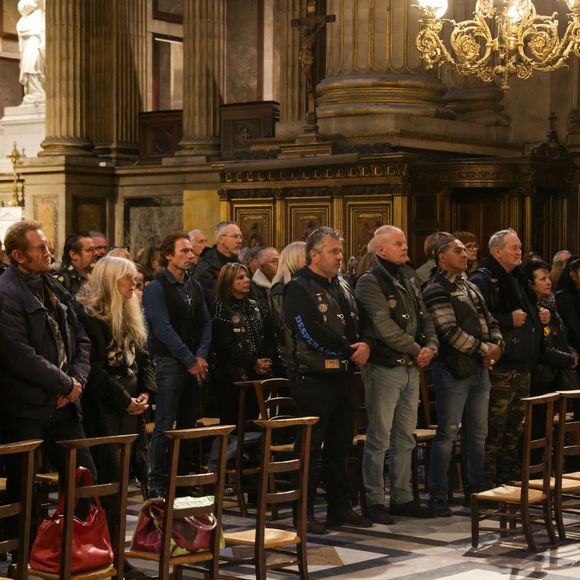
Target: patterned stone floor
(428, 549)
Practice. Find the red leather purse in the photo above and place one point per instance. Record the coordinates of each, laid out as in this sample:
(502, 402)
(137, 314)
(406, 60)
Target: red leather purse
(188, 535)
(91, 543)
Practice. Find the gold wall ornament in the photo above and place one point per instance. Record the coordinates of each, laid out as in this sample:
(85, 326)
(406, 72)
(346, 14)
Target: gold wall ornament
(17, 199)
(524, 41)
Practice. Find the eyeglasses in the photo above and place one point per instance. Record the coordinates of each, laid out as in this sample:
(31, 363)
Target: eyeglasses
(472, 246)
(235, 236)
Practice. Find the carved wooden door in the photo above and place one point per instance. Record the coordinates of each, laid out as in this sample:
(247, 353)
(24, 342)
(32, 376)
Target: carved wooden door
(480, 211)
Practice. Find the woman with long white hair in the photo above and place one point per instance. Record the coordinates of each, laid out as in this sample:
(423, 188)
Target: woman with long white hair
(121, 376)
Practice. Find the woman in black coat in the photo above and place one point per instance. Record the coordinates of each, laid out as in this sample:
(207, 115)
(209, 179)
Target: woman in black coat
(121, 376)
(568, 299)
(556, 367)
(558, 359)
(241, 350)
(292, 258)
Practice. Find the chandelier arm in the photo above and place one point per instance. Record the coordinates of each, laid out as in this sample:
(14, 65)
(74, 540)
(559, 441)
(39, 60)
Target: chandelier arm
(432, 50)
(467, 49)
(525, 42)
(539, 45)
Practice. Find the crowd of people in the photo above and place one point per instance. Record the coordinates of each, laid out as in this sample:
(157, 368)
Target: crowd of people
(89, 342)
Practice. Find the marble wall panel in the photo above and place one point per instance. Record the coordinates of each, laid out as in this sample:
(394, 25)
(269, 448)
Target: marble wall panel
(149, 220)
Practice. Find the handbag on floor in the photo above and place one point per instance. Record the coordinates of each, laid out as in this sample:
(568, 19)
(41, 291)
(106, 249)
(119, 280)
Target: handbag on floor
(91, 543)
(189, 535)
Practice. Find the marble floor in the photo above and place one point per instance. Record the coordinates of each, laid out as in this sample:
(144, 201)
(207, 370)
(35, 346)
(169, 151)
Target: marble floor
(426, 549)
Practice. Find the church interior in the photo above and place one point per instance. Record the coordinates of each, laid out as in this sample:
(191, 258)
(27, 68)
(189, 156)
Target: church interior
(284, 115)
(165, 114)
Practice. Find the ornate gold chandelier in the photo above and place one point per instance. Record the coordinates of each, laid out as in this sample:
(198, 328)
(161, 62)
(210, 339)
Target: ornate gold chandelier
(504, 38)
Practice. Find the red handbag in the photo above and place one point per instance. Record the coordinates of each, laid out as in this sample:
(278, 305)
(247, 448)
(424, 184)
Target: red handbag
(188, 535)
(91, 543)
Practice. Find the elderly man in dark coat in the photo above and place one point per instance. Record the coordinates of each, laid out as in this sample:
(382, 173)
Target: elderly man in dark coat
(44, 353)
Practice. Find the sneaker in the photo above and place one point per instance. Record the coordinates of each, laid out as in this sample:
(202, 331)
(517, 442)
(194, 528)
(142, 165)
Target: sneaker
(409, 509)
(439, 507)
(348, 517)
(379, 514)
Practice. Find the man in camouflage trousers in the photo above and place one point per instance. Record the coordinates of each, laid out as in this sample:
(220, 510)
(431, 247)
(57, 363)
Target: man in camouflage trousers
(512, 302)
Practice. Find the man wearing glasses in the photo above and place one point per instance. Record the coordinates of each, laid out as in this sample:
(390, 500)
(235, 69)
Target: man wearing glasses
(78, 258)
(228, 242)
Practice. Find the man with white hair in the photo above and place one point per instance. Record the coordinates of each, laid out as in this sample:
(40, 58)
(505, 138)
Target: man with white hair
(228, 242)
(513, 303)
(268, 259)
(199, 244)
(558, 263)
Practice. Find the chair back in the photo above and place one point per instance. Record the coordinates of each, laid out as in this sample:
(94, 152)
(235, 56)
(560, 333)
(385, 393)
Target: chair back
(361, 420)
(427, 401)
(537, 453)
(296, 468)
(274, 399)
(567, 435)
(73, 492)
(215, 479)
(23, 508)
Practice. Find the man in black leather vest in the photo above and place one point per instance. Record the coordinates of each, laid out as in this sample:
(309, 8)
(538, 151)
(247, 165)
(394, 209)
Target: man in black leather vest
(78, 258)
(470, 342)
(180, 336)
(323, 315)
(513, 303)
(403, 340)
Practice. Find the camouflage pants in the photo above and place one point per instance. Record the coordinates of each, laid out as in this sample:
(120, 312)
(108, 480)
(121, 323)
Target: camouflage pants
(505, 424)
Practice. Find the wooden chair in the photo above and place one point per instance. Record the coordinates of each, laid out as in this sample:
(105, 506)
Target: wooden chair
(46, 481)
(245, 442)
(275, 402)
(424, 433)
(263, 538)
(215, 479)
(355, 458)
(23, 508)
(514, 501)
(566, 486)
(73, 492)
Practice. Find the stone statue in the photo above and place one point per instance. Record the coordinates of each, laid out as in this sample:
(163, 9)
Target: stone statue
(31, 42)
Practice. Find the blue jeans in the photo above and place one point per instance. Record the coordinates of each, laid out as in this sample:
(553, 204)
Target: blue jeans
(178, 400)
(391, 399)
(462, 401)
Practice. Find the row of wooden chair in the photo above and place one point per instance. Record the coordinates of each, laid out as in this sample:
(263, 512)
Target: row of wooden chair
(545, 490)
(262, 538)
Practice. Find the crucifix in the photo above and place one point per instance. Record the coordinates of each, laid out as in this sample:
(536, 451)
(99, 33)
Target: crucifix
(309, 28)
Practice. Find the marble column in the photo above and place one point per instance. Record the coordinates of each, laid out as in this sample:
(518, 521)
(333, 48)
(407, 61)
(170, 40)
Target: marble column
(67, 89)
(118, 68)
(372, 63)
(204, 40)
(470, 98)
(292, 85)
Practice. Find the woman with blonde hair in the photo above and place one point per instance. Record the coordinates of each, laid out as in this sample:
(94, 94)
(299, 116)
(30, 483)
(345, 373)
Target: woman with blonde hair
(121, 376)
(292, 258)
